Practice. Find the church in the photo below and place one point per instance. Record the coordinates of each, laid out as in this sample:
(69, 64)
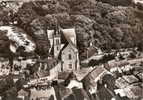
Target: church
(64, 48)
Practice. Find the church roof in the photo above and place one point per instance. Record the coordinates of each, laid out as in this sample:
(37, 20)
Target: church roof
(69, 32)
(55, 32)
(69, 35)
(50, 33)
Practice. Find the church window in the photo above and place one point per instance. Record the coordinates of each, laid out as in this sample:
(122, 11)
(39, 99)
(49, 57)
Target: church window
(70, 56)
(57, 41)
(57, 48)
(70, 66)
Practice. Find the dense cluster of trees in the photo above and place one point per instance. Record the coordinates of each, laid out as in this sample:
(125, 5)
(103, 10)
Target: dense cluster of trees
(9, 89)
(109, 23)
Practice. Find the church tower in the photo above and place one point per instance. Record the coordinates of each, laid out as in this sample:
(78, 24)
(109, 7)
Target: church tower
(54, 37)
(56, 42)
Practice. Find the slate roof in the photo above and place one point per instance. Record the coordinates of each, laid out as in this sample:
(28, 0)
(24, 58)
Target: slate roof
(104, 94)
(91, 79)
(62, 92)
(80, 74)
(130, 78)
(51, 62)
(70, 94)
(69, 34)
(140, 75)
(42, 93)
(50, 33)
(80, 94)
(63, 75)
(19, 38)
(134, 91)
(23, 92)
(121, 83)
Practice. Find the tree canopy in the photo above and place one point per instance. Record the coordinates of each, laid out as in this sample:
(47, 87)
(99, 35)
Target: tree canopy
(110, 24)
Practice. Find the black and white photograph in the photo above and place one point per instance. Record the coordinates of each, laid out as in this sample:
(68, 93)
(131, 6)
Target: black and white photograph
(71, 49)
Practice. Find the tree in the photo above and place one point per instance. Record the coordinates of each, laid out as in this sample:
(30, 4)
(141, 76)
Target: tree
(5, 84)
(93, 62)
(117, 2)
(19, 84)
(26, 15)
(52, 21)
(10, 94)
(39, 29)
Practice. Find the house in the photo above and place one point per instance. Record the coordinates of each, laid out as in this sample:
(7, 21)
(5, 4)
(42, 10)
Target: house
(23, 95)
(49, 67)
(91, 50)
(80, 74)
(4, 67)
(78, 94)
(131, 92)
(134, 92)
(64, 47)
(20, 40)
(40, 94)
(140, 75)
(63, 93)
(90, 81)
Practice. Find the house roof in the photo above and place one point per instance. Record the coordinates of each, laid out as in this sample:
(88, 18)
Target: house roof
(71, 94)
(121, 83)
(19, 38)
(140, 75)
(64, 91)
(93, 77)
(133, 91)
(138, 1)
(63, 75)
(92, 50)
(130, 78)
(51, 62)
(96, 72)
(23, 92)
(80, 94)
(42, 93)
(80, 74)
